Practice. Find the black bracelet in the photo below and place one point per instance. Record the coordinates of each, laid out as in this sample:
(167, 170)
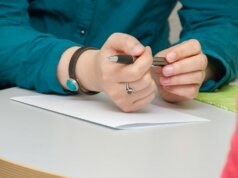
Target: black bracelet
(73, 81)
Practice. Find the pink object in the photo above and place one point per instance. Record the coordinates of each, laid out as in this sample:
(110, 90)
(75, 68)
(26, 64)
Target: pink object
(231, 168)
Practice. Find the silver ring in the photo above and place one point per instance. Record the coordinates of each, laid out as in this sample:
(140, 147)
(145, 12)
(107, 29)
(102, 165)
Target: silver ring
(129, 90)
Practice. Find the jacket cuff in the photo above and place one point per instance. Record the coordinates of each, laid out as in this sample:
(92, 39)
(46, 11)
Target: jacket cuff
(221, 66)
(50, 70)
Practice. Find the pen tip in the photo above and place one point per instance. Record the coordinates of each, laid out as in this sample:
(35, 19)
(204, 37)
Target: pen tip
(113, 58)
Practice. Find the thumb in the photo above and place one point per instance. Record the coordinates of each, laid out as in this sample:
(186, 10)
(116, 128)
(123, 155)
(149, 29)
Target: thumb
(124, 43)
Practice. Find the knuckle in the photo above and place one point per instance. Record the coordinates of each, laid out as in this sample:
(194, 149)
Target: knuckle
(202, 61)
(135, 74)
(130, 41)
(205, 61)
(195, 44)
(127, 39)
(199, 77)
(111, 37)
(114, 35)
(203, 76)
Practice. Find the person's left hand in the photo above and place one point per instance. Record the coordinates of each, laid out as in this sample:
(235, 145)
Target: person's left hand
(181, 79)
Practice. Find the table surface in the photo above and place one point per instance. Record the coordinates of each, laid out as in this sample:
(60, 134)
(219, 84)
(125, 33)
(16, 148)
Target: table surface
(67, 146)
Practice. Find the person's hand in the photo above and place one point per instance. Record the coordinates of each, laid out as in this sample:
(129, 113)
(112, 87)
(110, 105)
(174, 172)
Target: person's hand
(181, 79)
(111, 78)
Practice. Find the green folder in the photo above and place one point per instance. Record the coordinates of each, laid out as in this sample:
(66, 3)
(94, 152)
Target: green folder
(224, 98)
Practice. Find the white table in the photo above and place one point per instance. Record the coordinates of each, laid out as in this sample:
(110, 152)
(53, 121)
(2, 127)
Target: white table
(75, 148)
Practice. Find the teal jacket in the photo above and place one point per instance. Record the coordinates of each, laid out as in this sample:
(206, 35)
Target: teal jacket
(34, 33)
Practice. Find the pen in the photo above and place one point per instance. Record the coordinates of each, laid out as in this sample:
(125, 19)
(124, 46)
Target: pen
(128, 59)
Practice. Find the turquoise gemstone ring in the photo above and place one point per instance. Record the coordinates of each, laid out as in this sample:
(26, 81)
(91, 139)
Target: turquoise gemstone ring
(72, 85)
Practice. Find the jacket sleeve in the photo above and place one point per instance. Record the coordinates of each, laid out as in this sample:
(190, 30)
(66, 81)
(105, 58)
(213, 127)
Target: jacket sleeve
(214, 23)
(28, 58)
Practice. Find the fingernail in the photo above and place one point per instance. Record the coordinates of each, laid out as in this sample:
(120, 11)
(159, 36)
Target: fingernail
(171, 56)
(168, 70)
(164, 81)
(137, 50)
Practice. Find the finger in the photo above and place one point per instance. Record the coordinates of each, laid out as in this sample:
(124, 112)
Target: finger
(137, 95)
(186, 91)
(128, 102)
(124, 43)
(136, 71)
(191, 64)
(142, 83)
(182, 50)
(183, 79)
(139, 104)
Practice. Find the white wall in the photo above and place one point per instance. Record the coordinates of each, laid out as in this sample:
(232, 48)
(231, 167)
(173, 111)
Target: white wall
(175, 26)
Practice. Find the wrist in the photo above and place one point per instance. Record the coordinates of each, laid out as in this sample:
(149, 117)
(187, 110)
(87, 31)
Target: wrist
(63, 65)
(86, 70)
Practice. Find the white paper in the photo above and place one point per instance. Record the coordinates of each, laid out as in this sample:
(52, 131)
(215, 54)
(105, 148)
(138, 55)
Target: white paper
(100, 110)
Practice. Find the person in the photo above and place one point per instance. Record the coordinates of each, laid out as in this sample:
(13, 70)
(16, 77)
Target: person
(231, 167)
(40, 39)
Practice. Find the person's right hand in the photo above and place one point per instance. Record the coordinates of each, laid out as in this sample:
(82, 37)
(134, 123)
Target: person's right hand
(110, 77)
